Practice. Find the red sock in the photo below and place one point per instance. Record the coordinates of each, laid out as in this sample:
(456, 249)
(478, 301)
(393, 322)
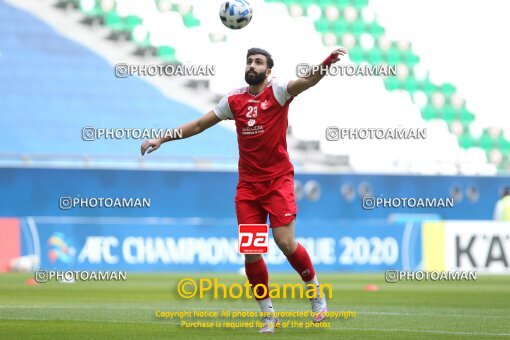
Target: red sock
(300, 261)
(257, 274)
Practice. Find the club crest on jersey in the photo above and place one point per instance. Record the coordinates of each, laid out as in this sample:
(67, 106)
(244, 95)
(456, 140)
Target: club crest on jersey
(265, 104)
(251, 122)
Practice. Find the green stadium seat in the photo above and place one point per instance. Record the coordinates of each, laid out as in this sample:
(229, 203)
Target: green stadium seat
(131, 21)
(429, 112)
(113, 21)
(503, 144)
(466, 141)
(448, 113)
(359, 4)
(411, 84)
(392, 83)
(375, 56)
(410, 58)
(358, 27)
(340, 26)
(486, 142)
(341, 3)
(466, 116)
(393, 55)
(375, 30)
(323, 25)
(324, 3)
(503, 167)
(306, 3)
(166, 54)
(356, 54)
(428, 87)
(448, 89)
(190, 20)
(119, 24)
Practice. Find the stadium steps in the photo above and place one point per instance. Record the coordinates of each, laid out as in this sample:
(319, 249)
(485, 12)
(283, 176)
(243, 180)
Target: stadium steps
(133, 20)
(52, 87)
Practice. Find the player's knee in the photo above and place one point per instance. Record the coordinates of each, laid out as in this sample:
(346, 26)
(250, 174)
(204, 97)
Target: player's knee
(287, 245)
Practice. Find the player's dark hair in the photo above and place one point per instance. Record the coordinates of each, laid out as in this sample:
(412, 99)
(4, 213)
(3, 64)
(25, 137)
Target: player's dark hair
(255, 50)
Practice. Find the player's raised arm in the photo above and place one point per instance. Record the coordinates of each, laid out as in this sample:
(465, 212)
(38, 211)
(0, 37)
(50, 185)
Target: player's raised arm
(299, 85)
(188, 130)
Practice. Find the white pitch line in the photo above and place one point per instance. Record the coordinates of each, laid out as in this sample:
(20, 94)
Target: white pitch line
(428, 331)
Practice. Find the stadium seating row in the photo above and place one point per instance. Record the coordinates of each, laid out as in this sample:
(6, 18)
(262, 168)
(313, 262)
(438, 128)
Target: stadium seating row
(51, 88)
(165, 28)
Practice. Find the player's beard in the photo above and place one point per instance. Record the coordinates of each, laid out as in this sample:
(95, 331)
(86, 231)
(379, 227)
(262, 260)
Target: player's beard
(254, 79)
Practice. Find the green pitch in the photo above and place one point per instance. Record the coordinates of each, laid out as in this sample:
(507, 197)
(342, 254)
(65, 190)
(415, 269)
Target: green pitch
(406, 310)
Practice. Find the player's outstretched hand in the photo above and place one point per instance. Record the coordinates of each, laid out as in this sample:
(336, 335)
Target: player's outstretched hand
(150, 145)
(337, 54)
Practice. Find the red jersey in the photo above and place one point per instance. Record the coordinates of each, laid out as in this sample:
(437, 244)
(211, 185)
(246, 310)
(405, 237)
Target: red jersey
(261, 124)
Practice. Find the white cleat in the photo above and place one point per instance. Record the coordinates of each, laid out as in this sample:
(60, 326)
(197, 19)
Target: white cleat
(269, 324)
(319, 309)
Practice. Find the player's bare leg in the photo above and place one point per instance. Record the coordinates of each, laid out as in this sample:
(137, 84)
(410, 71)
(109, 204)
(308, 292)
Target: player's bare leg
(256, 271)
(300, 260)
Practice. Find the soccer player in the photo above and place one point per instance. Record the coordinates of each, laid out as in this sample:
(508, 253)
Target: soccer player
(266, 175)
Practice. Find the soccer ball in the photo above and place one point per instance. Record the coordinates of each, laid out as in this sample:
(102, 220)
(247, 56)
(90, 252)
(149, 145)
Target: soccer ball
(235, 14)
